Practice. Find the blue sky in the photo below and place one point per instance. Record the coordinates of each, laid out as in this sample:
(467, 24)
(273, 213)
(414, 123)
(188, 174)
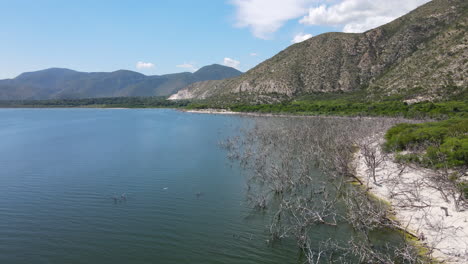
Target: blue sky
(170, 36)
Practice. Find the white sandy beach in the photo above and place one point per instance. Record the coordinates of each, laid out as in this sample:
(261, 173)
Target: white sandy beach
(418, 206)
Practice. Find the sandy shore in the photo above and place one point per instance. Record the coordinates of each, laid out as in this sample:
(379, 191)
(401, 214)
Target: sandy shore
(226, 112)
(419, 207)
(211, 111)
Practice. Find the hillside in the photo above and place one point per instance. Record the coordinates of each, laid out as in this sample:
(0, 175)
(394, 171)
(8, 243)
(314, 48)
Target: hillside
(424, 53)
(56, 83)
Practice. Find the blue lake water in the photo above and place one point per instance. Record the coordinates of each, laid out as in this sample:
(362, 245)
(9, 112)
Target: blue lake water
(61, 168)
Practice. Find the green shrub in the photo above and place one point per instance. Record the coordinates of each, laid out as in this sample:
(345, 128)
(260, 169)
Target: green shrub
(407, 158)
(353, 107)
(456, 150)
(463, 186)
(439, 144)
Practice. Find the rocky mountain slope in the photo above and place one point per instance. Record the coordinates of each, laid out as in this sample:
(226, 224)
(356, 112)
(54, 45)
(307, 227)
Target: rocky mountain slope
(423, 53)
(64, 83)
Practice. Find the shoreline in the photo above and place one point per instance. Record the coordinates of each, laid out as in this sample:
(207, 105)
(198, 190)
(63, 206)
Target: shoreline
(415, 205)
(255, 114)
(86, 107)
(419, 208)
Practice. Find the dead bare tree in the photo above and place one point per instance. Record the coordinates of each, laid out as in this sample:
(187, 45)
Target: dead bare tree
(373, 158)
(298, 167)
(446, 180)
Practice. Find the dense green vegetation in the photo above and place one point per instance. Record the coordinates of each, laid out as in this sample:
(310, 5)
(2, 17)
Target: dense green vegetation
(351, 104)
(426, 109)
(110, 102)
(346, 104)
(439, 145)
(432, 144)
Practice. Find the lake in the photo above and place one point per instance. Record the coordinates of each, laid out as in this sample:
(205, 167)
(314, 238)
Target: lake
(125, 186)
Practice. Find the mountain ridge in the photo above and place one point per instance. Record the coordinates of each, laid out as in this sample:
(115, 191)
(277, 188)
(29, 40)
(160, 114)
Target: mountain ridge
(423, 53)
(62, 83)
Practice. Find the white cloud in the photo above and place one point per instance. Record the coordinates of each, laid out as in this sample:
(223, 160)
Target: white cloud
(231, 63)
(253, 54)
(359, 15)
(265, 17)
(188, 66)
(301, 37)
(144, 65)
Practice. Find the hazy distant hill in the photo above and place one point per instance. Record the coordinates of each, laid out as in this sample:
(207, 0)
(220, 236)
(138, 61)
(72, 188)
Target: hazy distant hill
(65, 83)
(424, 53)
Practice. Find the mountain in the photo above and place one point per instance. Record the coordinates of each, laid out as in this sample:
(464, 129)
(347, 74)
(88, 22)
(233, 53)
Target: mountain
(57, 83)
(423, 53)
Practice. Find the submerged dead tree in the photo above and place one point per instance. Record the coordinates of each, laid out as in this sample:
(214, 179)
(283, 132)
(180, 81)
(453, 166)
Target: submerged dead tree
(299, 169)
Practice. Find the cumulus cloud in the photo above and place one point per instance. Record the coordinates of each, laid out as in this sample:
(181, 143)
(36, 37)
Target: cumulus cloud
(359, 15)
(188, 66)
(301, 37)
(231, 63)
(264, 17)
(144, 65)
(253, 54)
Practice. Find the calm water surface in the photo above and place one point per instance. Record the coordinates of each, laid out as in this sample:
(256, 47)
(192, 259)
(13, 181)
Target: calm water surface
(61, 168)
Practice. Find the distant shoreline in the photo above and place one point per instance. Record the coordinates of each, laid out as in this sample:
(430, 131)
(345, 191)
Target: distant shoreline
(82, 107)
(257, 114)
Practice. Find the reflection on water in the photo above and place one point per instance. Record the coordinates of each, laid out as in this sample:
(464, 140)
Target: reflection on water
(125, 186)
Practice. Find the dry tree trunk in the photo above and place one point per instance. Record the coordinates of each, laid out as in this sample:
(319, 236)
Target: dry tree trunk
(298, 168)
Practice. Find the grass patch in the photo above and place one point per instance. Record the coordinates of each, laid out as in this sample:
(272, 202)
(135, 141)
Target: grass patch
(432, 144)
(337, 103)
(463, 186)
(439, 110)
